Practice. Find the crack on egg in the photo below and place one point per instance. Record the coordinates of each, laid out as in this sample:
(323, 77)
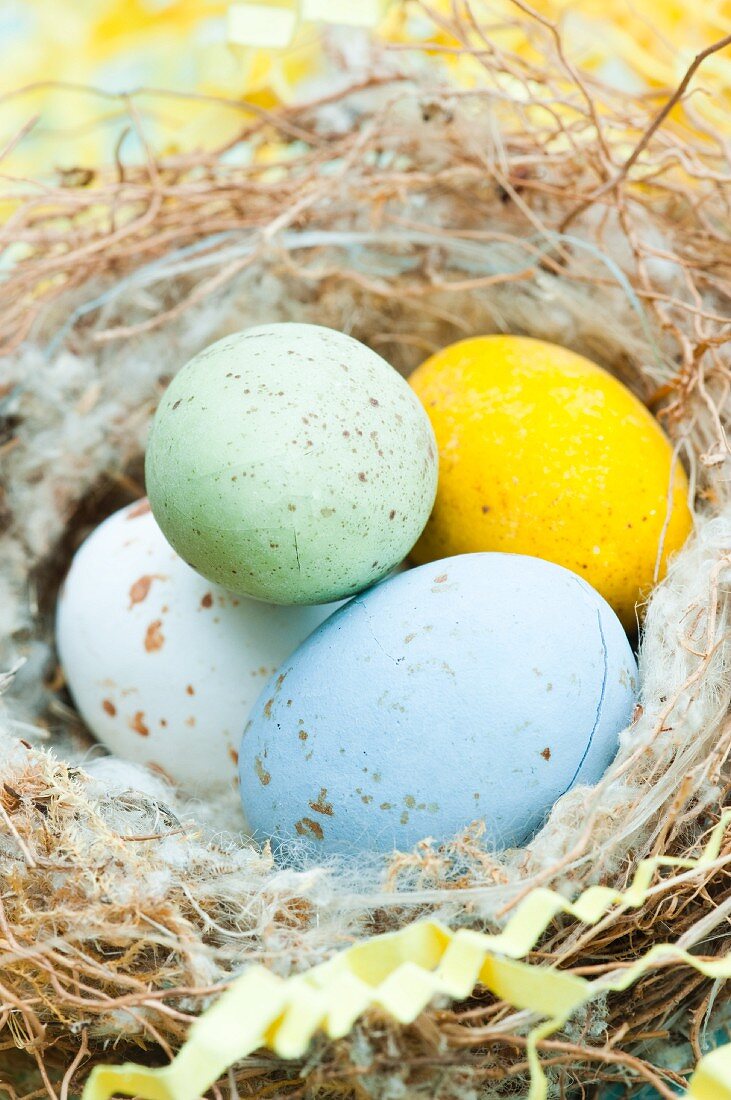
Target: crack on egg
(597, 717)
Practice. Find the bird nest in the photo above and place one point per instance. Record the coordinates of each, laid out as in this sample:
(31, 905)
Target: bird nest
(409, 210)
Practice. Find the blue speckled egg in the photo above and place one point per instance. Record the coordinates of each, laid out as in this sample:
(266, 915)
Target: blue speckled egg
(482, 686)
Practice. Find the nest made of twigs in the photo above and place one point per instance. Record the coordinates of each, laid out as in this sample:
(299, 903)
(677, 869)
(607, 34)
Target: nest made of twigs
(410, 212)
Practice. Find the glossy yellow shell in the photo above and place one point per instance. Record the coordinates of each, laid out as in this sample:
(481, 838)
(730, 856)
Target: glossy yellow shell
(543, 452)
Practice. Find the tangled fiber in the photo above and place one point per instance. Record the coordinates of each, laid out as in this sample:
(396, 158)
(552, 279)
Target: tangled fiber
(409, 211)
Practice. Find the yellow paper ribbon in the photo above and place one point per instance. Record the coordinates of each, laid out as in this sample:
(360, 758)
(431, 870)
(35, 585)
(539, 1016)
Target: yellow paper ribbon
(272, 24)
(400, 973)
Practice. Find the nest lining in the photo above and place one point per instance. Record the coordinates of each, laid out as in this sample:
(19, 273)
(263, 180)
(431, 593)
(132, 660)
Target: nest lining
(126, 906)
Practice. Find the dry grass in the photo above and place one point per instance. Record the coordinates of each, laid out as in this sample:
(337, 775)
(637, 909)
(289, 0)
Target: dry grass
(472, 195)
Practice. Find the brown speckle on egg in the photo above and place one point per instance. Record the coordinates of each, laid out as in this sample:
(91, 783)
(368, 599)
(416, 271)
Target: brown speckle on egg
(307, 827)
(140, 589)
(154, 637)
(262, 774)
(138, 724)
(109, 707)
(320, 806)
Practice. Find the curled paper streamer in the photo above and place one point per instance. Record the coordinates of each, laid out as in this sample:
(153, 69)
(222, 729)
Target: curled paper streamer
(400, 973)
(712, 1078)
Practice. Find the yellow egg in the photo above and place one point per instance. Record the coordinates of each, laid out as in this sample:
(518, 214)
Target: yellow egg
(542, 452)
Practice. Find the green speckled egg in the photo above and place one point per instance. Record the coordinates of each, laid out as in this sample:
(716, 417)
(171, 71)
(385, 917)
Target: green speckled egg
(291, 463)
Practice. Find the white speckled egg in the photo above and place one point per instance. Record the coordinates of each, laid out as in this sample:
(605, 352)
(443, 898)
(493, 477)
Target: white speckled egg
(291, 463)
(477, 687)
(163, 665)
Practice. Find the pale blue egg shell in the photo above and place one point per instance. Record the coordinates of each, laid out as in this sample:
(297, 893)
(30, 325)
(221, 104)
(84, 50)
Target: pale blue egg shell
(478, 687)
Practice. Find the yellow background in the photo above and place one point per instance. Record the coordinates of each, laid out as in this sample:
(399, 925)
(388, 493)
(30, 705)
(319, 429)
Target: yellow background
(182, 45)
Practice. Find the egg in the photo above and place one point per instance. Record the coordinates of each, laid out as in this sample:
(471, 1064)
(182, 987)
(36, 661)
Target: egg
(544, 453)
(162, 665)
(291, 463)
(482, 687)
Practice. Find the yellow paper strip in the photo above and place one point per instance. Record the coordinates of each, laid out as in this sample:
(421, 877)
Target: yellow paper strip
(712, 1079)
(272, 24)
(400, 973)
(347, 13)
(264, 25)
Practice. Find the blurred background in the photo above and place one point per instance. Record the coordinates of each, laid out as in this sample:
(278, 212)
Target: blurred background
(68, 64)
